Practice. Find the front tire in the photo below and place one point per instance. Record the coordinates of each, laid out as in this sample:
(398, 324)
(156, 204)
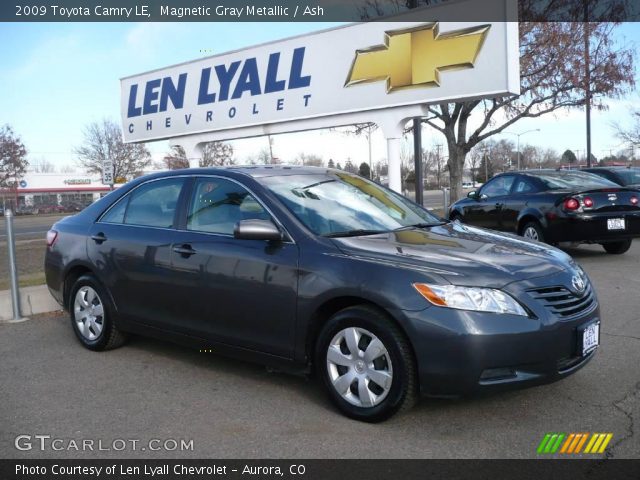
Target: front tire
(617, 248)
(366, 364)
(92, 315)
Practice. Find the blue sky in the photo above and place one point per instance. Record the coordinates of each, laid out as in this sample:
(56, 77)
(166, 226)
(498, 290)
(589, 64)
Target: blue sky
(56, 78)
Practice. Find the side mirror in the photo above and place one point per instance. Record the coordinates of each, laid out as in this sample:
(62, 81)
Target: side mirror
(257, 230)
(472, 194)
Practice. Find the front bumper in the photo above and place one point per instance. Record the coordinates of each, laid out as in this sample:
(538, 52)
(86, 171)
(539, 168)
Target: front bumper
(461, 353)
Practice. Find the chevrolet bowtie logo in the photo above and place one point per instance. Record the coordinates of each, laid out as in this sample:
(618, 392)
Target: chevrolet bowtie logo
(416, 56)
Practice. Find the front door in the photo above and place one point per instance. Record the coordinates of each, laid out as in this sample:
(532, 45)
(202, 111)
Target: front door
(486, 211)
(238, 292)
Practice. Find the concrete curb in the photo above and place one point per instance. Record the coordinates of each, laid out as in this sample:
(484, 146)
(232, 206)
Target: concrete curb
(33, 300)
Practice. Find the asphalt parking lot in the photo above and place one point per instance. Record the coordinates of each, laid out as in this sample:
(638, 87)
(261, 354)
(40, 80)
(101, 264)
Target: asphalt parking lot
(154, 390)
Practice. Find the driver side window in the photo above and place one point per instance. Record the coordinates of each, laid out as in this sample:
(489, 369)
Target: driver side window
(497, 187)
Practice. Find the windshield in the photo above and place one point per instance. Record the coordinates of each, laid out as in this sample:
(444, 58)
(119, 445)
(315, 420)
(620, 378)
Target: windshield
(581, 180)
(629, 176)
(333, 204)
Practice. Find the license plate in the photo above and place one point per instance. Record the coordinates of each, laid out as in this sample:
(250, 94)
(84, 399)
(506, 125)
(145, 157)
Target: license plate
(615, 224)
(590, 338)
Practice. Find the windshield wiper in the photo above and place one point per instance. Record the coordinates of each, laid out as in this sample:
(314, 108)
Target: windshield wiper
(354, 233)
(419, 225)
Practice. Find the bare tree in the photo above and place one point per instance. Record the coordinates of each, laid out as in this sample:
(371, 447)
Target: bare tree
(631, 134)
(67, 169)
(103, 140)
(43, 166)
(13, 158)
(308, 159)
(214, 154)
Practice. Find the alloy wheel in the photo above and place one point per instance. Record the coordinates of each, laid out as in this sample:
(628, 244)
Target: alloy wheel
(531, 233)
(88, 313)
(359, 367)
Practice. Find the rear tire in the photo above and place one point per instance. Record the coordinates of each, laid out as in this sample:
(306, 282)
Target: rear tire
(533, 231)
(617, 248)
(93, 316)
(366, 364)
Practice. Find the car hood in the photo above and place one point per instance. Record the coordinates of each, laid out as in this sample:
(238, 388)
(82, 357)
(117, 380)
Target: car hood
(459, 253)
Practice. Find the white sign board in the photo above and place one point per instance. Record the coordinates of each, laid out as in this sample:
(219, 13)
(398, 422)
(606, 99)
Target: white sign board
(359, 67)
(107, 172)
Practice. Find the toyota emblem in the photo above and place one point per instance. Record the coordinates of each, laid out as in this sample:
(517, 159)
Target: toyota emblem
(578, 283)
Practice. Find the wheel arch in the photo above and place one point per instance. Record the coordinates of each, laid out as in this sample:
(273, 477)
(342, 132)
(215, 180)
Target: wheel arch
(72, 274)
(527, 216)
(332, 306)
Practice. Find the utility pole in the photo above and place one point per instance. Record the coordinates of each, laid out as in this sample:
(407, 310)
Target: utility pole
(417, 143)
(438, 147)
(587, 78)
(417, 159)
(271, 148)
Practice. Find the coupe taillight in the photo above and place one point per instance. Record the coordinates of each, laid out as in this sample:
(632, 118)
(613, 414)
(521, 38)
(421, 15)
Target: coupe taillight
(634, 200)
(587, 202)
(571, 204)
(52, 235)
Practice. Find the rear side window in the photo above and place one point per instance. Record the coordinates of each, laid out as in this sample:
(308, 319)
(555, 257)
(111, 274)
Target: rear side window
(218, 204)
(151, 205)
(524, 185)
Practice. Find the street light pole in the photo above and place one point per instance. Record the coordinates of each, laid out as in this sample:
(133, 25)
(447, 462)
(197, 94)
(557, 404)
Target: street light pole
(519, 135)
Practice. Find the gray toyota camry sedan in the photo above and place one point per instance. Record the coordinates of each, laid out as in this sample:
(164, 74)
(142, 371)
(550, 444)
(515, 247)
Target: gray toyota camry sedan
(320, 271)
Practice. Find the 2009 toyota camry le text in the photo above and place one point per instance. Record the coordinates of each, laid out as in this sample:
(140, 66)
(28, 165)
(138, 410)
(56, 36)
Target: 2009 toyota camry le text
(319, 271)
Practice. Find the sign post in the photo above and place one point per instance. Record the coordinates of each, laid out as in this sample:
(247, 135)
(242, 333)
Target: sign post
(107, 172)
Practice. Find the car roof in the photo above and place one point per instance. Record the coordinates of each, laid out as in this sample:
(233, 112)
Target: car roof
(255, 171)
(613, 167)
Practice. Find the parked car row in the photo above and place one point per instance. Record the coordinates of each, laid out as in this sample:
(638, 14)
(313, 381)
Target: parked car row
(554, 206)
(69, 207)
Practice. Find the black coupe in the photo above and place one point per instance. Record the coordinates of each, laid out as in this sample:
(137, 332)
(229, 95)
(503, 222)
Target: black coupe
(555, 206)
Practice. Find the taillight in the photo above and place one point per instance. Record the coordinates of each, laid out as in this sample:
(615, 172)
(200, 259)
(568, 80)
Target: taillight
(571, 204)
(587, 202)
(51, 237)
(634, 200)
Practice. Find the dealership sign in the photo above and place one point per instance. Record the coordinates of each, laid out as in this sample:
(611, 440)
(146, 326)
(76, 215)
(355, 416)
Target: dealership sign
(359, 67)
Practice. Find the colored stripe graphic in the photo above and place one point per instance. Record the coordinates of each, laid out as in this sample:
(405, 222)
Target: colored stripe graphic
(581, 443)
(567, 442)
(572, 443)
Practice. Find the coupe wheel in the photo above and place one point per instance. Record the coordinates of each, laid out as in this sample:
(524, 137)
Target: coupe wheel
(617, 248)
(533, 231)
(366, 364)
(92, 315)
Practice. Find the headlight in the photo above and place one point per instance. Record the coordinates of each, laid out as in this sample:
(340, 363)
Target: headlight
(470, 298)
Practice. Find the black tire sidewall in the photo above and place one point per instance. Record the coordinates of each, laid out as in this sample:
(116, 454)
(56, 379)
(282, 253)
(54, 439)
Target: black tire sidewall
(368, 320)
(617, 248)
(107, 319)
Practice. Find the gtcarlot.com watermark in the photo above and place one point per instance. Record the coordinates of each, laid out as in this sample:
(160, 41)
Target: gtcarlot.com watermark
(42, 443)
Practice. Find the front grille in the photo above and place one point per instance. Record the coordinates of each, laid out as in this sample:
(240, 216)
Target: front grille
(564, 303)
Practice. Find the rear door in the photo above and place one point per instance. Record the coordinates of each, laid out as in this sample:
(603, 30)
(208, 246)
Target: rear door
(238, 292)
(130, 247)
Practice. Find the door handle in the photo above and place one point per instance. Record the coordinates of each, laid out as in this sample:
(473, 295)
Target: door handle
(99, 237)
(184, 250)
